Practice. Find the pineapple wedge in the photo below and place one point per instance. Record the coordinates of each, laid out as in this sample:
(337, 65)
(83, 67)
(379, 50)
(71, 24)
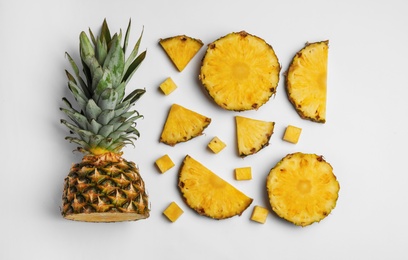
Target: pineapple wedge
(208, 194)
(306, 81)
(302, 188)
(181, 49)
(240, 71)
(182, 124)
(252, 135)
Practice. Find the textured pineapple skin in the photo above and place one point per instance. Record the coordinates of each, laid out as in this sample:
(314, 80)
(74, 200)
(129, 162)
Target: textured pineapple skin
(298, 212)
(317, 117)
(104, 188)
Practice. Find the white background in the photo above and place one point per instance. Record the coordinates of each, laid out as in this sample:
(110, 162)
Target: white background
(365, 137)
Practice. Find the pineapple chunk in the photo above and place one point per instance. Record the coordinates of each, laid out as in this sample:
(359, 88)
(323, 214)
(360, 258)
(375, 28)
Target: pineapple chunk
(252, 135)
(240, 71)
(173, 212)
(216, 145)
(243, 174)
(168, 86)
(292, 134)
(302, 188)
(259, 214)
(306, 81)
(181, 49)
(164, 163)
(208, 194)
(182, 125)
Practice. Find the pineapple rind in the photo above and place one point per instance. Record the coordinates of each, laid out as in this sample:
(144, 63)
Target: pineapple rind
(104, 188)
(240, 71)
(208, 194)
(302, 188)
(306, 81)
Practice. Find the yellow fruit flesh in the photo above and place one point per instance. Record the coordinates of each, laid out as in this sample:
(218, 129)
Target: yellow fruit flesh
(306, 81)
(302, 188)
(208, 194)
(240, 71)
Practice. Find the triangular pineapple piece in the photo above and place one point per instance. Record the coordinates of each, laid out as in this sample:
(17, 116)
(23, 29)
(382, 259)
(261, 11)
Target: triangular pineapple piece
(302, 188)
(209, 194)
(240, 71)
(306, 81)
(252, 134)
(182, 124)
(181, 49)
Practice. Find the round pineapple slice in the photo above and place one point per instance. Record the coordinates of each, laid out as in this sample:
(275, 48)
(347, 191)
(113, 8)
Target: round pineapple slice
(306, 81)
(240, 71)
(208, 194)
(302, 188)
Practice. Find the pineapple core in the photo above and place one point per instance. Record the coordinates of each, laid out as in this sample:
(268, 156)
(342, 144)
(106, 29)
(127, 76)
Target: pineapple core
(242, 174)
(292, 134)
(173, 212)
(216, 145)
(259, 214)
(164, 163)
(168, 86)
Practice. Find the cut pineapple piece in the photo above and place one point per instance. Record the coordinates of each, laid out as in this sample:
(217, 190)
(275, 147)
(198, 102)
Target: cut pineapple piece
(208, 194)
(243, 174)
(181, 49)
(182, 124)
(292, 134)
(252, 135)
(164, 163)
(259, 214)
(306, 81)
(240, 71)
(302, 188)
(216, 145)
(173, 212)
(168, 86)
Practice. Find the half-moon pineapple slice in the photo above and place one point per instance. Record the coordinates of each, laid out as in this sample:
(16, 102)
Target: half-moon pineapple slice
(208, 194)
(252, 134)
(240, 71)
(181, 49)
(302, 188)
(306, 81)
(182, 124)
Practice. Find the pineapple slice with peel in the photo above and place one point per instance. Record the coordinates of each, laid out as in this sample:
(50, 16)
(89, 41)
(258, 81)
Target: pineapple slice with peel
(302, 188)
(240, 71)
(182, 124)
(306, 81)
(252, 135)
(181, 49)
(208, 194)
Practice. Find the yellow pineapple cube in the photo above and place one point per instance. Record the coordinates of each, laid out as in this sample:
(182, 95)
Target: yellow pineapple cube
(173, 212)
(168, 86)
(244, 173)
(164, 163)
(216, 145)
(292, 134)
(259, 214)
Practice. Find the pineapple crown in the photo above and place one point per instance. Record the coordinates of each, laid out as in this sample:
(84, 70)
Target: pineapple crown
(103, 122)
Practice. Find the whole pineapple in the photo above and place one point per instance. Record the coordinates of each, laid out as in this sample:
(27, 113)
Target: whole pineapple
(103, 187)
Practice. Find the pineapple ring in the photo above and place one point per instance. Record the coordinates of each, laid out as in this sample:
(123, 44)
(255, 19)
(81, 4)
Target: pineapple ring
(302, 188)
(240, 71)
